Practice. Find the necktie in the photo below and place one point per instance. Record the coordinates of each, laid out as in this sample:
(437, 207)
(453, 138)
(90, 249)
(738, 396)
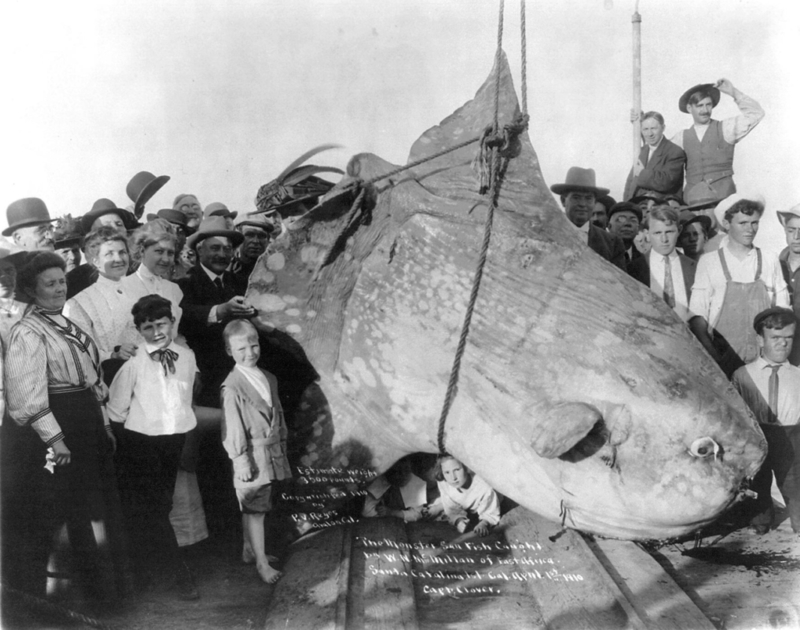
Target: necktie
(167, 359)
(218, 284)
(773, 393)
(669, 287)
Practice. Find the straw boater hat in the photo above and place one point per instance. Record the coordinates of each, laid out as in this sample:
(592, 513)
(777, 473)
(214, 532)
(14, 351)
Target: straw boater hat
(792, 213)
(25, 213)
(579, 180)
(141, 189)
(105, 206)
(217, 209)
(724, 205)
(214, 226)
(712, 90)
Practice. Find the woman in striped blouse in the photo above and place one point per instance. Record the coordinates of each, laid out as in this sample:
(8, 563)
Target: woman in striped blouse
(62, 469)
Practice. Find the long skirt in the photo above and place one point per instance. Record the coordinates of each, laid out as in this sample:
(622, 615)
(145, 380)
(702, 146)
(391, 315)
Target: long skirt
(82, 495)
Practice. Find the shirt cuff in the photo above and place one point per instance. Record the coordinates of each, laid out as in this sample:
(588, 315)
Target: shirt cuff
(47, 428)
(212, 315)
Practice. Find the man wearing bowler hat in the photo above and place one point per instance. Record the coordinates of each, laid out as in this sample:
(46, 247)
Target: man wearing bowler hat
(578, 195)
(709, 143)
(105, 212)
(29, 224)
(790, 266)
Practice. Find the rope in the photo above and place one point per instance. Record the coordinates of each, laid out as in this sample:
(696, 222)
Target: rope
(43, 604)
(524, 55)
(487, 233)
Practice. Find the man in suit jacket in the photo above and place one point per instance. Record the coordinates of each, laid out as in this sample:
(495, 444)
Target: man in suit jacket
(660, 165)
(578, 195)
(668, 273)
(209, 302)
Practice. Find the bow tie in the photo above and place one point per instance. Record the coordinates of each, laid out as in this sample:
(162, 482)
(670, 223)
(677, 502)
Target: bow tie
(167, 359)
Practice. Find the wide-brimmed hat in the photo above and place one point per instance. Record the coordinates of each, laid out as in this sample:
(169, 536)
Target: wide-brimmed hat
(25, 213)
(625, 206)
(214, 226)
(579, 180)
(141, 189)
(67, 234)
(105, 206)
(712, 90)
(725, 205)
(259, 220)
(687, 217)
(217, 209)
(791, 213)
(176, 217)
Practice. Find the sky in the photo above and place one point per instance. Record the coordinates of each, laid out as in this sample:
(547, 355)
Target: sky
(221, 95)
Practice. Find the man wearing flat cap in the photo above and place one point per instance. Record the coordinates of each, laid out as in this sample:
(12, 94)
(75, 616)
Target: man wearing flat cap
(708, 143)
(790, 266)
(578, 195)
(256, 231)
(29, 224)
(770, 386)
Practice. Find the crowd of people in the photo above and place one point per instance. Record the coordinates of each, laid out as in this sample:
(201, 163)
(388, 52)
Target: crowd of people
(686, 233)
(138, 413)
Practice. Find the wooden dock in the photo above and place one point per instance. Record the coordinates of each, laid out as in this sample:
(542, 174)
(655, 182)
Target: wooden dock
(382, 573)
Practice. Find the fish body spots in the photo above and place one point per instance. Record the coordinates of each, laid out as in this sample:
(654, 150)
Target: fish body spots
(276, 262)
(309, 254)
(270, 303)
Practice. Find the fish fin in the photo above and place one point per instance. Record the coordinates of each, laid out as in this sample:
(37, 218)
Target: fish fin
(563, 427)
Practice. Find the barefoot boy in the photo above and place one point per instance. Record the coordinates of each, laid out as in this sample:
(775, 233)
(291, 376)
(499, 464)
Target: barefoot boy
(254, 435)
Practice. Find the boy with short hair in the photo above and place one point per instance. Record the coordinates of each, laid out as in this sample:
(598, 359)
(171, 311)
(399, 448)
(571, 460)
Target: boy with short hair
(733, 284)
(254, 435)
(770, 386)
(152, 395)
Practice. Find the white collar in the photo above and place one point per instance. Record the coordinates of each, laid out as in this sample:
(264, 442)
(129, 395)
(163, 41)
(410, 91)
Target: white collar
(212, 276)
(145, 274)
(151, 349)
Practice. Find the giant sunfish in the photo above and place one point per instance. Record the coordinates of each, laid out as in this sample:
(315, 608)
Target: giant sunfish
(582, 396)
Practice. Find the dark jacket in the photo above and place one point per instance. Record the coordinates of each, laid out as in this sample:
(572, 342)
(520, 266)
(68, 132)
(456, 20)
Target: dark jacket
(640, 269)
(608, 246)
(663, 173)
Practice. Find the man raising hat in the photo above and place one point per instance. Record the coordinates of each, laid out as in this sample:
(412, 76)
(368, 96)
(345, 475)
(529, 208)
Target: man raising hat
(29, 224)
(578, 195)
(709, 143)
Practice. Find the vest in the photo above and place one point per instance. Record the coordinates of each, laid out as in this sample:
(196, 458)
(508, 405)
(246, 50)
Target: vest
(711, 159)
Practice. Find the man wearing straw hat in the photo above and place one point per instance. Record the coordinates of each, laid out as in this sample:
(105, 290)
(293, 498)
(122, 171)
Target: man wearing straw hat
(578, 195)
(709, 144)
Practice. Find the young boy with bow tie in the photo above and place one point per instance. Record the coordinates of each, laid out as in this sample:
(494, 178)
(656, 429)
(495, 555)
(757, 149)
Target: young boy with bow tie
(151, 396)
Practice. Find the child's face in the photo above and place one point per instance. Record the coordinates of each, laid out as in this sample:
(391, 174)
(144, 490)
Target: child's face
(244, 349)
(454, 473)
(157, 332)
(776, 344)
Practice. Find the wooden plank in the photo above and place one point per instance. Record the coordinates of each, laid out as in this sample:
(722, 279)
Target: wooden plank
(655, 596)
(343, 580)
(572, 594)
(307, 595)
(381, 594)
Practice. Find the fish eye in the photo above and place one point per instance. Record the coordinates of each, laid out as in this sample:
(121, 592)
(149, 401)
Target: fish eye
(703, 447)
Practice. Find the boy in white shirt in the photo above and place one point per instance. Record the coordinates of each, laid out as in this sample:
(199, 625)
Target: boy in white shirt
(152, 396)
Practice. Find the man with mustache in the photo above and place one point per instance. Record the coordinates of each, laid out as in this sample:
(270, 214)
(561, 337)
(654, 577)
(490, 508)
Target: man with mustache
(709, 143)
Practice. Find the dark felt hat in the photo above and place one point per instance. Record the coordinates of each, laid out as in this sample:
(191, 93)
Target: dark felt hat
(688, 217)
(625, 206)
(217, 209)
(141, 189)
(647, 194)
(214, 226)
(25, 213)
(579, 180)
(713, 92)
(105, 206)
(608, 201)
(774, 310)
(176, 217)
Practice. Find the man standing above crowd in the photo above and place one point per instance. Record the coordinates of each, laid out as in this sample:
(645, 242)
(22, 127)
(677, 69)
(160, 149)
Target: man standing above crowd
(29, 224)
(578, 195)
(733, 285)
(790, 266)
(708, 143)
(669, 274)
(659, 168)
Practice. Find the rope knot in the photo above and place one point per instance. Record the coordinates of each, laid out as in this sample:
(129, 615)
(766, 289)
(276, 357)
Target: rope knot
(506, 142)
